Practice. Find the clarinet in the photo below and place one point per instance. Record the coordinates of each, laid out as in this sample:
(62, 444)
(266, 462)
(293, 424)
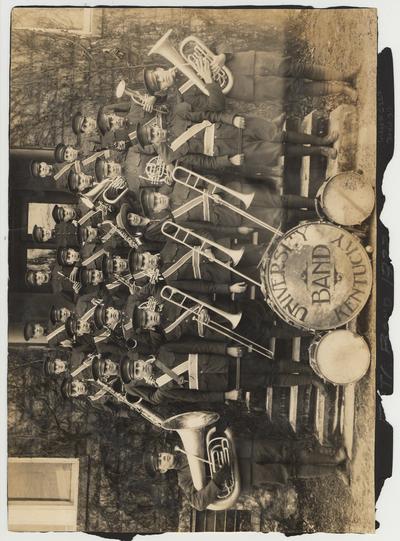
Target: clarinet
(135, 406)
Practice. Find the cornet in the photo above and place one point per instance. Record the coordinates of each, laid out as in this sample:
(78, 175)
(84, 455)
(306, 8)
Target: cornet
(136, 97)
(114, 229)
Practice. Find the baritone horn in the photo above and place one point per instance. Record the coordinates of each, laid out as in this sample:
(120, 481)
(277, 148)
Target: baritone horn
(135, 96)
(192, 49)
(164, 48)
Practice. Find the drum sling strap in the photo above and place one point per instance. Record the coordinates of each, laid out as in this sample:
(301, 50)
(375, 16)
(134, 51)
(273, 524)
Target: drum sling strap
(56, 331)
(190, 365)
(82, 367)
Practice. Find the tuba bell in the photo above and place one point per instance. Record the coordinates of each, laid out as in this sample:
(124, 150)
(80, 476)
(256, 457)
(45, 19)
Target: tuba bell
(207, 453)
(164, 48)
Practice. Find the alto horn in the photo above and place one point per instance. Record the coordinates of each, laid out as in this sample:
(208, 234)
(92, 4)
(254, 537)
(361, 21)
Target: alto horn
(156, 172)
(177, 297)
(164, 48)
(135, 96)
(118, 184)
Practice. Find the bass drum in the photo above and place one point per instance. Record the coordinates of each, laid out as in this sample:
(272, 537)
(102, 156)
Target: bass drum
(346, 199)
(317, 276)
(340, 357)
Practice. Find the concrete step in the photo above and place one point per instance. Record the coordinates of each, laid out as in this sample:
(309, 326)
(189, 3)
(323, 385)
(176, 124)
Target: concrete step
(313, 168)
(344, 120)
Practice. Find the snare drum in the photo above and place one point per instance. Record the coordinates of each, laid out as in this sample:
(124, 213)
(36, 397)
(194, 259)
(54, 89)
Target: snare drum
(339, 357)
(346, 199)
(317, 276)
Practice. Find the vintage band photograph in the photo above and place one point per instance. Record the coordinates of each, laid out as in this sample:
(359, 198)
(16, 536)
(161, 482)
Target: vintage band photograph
(192, 270)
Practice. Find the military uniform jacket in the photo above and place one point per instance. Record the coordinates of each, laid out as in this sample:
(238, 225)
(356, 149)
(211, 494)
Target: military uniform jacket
(213, 278)
(65, 235)
(261, 143)
(199, 499)
(195, 97)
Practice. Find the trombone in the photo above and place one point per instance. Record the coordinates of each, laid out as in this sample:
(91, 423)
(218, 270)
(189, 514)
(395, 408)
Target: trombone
(246, 199)
(178, 298)
(199, 243)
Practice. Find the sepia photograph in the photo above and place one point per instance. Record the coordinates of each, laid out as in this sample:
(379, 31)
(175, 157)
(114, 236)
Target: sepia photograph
(192, 270)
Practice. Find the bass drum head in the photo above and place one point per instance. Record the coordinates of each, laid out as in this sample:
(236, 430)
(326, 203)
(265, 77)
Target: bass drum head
(341, 357)
(317, 276)
(347, 199)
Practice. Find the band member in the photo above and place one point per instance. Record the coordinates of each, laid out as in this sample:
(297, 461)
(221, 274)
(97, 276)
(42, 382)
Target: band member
(249, 145)
(54, 338)
(131, 219)
(65, 213)
(206, 371)
(78, 363)
(158, 81)
(63, 281)
(63, 234)
(259, 76)
(184, 206)
(66, 153)
(55, 367)
(59, 314)
(54, 171)
(262, 462)
(91, 393)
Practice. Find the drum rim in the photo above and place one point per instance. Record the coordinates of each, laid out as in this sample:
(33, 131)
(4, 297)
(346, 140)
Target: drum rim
(315, 343)
(322, 201)
(270, 300)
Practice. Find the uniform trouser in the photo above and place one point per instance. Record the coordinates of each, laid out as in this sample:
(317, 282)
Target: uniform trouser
(274, 461)
(267, 63)
(258, 373)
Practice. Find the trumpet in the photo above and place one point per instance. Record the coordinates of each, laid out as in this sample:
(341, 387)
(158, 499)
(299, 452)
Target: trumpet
(136, 97)
(178, 298)
(164, 48)
(120, 185)
(156, 172)
(193, 49)
(246, 199)
(191, 240)
(114, 229)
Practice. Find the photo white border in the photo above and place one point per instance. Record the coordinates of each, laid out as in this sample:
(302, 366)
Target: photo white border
(389, 36)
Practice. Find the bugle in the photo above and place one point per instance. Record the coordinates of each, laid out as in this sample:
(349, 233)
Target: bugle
(135, 96)
(193, 49)
(182, 235)
(179, 298)
(219, 200)
(164, 48)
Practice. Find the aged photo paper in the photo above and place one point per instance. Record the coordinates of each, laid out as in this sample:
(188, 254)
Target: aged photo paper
(192, 270)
